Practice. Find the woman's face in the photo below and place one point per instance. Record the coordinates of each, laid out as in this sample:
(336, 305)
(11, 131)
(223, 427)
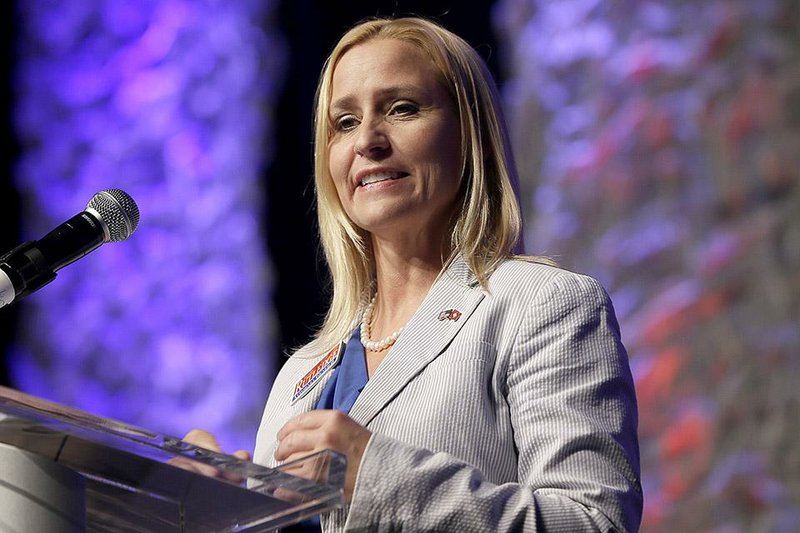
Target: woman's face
(394, 153)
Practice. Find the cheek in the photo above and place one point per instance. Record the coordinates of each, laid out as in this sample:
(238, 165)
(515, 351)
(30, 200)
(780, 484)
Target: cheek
(448, 161)
(339, 166)
(442, 147)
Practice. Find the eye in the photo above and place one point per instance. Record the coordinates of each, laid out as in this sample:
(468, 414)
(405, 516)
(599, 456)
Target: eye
(345, 123)
(404, 108)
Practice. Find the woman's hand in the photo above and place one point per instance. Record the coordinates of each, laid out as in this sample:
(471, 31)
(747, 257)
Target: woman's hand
(318, 430)
(204, 439)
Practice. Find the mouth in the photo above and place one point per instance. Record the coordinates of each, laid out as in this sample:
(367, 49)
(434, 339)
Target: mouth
(379, 177)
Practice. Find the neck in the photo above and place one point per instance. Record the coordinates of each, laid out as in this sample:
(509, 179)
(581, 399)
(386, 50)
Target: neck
(403, 279)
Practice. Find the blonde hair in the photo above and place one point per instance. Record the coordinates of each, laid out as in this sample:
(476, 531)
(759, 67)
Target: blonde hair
(488, 227)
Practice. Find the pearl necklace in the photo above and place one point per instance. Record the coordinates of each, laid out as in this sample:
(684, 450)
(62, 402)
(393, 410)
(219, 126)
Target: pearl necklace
(366, 320)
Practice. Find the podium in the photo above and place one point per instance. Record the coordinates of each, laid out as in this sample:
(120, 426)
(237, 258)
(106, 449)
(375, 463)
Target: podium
(62, 469)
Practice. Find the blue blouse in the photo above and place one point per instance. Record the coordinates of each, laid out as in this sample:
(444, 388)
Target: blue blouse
(348, 379)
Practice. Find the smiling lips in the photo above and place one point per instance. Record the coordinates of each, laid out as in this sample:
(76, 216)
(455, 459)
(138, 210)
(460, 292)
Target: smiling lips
(377, 177)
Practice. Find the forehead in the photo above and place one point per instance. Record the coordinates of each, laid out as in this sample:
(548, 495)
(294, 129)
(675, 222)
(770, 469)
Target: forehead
(382, 63)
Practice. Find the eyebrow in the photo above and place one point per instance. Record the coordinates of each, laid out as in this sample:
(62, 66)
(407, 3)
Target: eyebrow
(349, 101)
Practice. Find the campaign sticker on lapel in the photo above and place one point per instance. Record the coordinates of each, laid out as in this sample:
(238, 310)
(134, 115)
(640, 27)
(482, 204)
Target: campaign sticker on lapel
(450, 314)
(320, 369)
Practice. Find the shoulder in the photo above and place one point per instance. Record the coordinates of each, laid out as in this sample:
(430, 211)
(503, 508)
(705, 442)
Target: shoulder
(538, 282)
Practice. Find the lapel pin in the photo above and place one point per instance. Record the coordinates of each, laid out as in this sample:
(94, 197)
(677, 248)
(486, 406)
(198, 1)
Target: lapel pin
(450, 314)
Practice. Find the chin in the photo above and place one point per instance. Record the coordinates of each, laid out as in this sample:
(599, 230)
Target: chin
(387, 217)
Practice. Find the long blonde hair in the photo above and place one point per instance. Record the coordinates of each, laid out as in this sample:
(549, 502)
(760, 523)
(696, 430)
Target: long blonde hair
(488, 228)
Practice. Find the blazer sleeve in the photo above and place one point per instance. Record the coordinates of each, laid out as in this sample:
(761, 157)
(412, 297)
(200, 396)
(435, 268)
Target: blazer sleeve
(573, 413)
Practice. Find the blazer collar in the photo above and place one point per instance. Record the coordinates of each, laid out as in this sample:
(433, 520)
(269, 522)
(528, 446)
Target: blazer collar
(425, 337)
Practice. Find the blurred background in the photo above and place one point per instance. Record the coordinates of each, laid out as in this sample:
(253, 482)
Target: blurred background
(659, 148)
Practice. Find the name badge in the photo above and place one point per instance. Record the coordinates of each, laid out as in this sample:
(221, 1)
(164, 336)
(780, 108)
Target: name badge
(315, 374)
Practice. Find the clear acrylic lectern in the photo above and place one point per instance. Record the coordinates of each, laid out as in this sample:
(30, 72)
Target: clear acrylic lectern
(130, 479)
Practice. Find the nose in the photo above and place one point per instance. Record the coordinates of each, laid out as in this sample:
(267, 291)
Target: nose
(371, 140)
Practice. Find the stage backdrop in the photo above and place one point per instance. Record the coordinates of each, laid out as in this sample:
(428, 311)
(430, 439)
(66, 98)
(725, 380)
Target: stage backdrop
(660, 143)
(168, 100)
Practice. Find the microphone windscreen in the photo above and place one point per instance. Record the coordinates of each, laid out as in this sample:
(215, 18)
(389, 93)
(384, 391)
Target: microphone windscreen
(118, 212)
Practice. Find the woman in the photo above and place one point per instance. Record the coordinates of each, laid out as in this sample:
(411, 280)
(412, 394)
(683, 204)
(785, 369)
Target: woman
(469, 389)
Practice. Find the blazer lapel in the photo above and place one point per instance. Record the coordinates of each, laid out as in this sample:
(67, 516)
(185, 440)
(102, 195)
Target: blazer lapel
(445, 310)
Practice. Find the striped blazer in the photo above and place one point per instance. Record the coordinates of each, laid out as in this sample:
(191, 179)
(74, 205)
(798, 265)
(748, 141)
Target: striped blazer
(507, 409)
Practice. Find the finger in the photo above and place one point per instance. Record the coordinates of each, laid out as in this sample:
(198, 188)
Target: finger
(202, 438)
(194, 466)
(314, 420)
(300, 465)
(244, 455)
(298, 441)
(309, 420)
(315, 431)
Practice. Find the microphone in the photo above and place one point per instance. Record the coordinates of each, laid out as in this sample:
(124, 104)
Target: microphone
(110, 216)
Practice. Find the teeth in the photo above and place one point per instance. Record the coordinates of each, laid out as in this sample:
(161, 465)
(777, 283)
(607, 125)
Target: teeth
(375, 178)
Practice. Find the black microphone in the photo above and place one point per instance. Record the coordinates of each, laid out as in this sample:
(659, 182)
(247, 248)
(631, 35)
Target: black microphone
(111, 216)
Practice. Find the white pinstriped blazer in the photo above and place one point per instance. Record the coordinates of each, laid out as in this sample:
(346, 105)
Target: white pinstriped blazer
(519, 416)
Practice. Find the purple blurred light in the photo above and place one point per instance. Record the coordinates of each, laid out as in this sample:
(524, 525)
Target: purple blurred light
(169, 329)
